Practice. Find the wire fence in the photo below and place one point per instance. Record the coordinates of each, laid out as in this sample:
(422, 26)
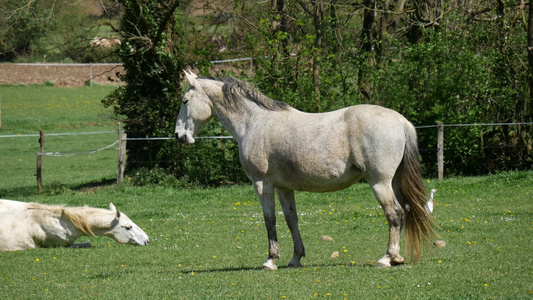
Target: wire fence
(55, 134)
(77, 153)
(104, 164)
(474, 124)
(87, 152)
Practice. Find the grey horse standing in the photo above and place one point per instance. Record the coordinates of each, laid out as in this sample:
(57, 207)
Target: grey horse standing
(284, 150)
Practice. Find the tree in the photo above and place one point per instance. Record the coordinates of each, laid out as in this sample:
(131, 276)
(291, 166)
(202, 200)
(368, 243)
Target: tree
(530, 50)
(153, 64)
(23, 23)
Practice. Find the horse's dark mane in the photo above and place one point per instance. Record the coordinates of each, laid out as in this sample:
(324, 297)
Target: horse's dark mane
(234, 90)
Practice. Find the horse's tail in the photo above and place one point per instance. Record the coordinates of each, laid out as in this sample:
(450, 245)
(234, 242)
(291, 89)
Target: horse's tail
(418, 225)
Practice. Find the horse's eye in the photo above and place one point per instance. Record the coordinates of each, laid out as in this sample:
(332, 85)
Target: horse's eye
(185, 101)
(128, 227)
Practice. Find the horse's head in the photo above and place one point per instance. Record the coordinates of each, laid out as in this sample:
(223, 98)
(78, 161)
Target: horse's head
(196, 109)
(124, 231)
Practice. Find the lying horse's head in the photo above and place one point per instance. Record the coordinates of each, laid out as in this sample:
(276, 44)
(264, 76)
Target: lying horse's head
(124, 231)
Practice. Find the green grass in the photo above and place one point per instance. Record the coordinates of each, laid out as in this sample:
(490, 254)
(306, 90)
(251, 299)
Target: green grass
(28, 109)
(211, 243)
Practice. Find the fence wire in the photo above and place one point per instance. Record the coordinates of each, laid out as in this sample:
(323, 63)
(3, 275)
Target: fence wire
(74, 153)
(78, 153)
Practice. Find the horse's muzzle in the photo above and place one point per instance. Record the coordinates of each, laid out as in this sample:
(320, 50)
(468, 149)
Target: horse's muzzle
(185, 138)
(182, 138)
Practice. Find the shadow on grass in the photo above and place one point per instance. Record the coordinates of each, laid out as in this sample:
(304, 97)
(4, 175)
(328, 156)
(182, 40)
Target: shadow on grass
(366, 264)
(55, 188)
(18, 192)
(95, 185)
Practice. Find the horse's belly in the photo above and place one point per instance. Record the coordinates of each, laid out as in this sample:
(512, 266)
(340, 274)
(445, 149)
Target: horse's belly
(320, 182)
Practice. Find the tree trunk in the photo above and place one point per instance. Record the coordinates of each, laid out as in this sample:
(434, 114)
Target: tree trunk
(368, 25)
(528, 111)
(280, 10)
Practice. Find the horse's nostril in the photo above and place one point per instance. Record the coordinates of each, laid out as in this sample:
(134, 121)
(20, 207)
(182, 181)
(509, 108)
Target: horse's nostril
(176, 135)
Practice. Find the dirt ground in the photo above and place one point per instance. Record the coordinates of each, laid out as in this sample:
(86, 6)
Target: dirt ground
(67, 75)
(71, 75)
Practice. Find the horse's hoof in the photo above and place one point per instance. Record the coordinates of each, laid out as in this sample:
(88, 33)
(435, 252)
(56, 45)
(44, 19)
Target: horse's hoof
(397, 261)
(380, 265)
(295, 264)
(269, 266)
(384, 262)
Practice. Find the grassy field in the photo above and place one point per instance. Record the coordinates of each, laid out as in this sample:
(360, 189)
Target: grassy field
(211, 243)
(28, 109)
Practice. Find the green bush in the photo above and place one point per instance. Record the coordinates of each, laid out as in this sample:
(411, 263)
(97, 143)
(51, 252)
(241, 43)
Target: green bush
(444, 80)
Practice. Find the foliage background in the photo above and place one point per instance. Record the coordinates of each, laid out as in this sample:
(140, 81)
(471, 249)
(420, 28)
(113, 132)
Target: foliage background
(433, 61)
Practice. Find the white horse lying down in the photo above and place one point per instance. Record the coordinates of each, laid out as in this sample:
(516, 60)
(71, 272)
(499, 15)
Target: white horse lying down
(32, 225)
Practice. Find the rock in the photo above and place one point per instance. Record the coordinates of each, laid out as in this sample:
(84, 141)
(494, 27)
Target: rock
(326, 238)
(439, 244)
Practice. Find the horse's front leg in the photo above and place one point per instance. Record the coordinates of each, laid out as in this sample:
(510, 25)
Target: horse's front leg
(286, 198)
(266, 198)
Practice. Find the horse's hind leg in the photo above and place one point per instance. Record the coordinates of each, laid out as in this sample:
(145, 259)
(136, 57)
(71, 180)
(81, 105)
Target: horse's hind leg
(395, 217)
(286, 198)
(80, 245)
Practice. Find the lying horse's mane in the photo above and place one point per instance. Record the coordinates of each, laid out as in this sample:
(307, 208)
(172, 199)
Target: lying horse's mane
(76, 215)
(234, 90)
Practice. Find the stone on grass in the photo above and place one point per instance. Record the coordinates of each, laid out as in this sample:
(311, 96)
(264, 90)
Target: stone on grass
(439, 244)
(326, 238)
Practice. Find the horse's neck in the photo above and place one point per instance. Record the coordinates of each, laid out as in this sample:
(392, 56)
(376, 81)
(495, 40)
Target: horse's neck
(237, 122)
(95, 221)
(99, 220)
(233, 121)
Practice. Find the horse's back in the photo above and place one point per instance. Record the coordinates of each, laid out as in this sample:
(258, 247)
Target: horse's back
(7, 205)
(373, 120)
(325, 151)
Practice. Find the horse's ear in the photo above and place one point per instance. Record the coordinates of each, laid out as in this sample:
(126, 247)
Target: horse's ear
(191, 77)
(112, 207)
(117, 215)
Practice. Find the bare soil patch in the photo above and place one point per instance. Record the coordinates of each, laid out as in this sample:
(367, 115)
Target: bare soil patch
(67, 75)
(72, 75)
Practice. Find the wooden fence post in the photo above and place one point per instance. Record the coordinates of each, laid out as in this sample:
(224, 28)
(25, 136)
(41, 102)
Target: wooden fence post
(40, 162)
(90, 75)
(121, 156)
(440, 151)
